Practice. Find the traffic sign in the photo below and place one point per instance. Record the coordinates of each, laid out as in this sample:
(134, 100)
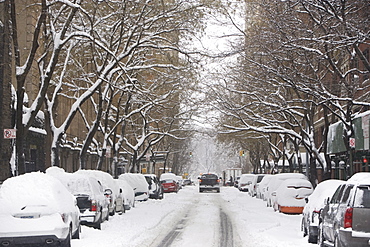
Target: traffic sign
(10, 133)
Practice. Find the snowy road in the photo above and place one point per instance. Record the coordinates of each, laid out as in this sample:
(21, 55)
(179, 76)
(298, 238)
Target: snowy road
(189, 218)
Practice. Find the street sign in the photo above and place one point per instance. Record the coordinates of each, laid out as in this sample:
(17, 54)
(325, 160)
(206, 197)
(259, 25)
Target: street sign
(352, 142)
(10, 133)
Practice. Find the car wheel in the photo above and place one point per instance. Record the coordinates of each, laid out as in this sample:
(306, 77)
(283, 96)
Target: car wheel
(67, 241)
(97, 225)
(336, 242)
(312, 239)
(77, 233)
(320, 236)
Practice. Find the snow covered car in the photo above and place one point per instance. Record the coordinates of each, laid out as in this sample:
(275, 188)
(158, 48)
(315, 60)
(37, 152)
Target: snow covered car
(37, 209)
(127, 194)
(311, 212)
(169, 182)
(245, 181)
(275, 182)
(111, 189)
(169, 185)
(254, 185)
(262, 186)
(89, 194)
(138, 182)
(345, 219)
(155, 186)
(291, 195)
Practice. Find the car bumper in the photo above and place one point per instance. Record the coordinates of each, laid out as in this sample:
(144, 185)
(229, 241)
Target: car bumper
(89, 217)
(349, 238)
(244, 189)
(170, 189)
(290, 210)
(42, 240)
(209, 187)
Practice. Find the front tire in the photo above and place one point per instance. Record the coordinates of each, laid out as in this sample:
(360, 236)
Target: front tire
(77, 233)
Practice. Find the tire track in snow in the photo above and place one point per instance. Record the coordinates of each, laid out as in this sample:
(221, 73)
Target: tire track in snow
(226, 229)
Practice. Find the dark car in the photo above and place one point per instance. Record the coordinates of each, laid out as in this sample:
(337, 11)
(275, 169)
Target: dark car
(345, 219)
(209, 181)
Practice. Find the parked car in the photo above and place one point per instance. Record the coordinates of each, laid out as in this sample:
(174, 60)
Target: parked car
(345, 219)
(253, 186)
(36, 208)
(262, 186)
(275, 183)
(89, 193)
(315, 203)
(138, 182)
(127, 194)
(245, 181)
(291, 195)
(169, 185)
(209, 181)
(110, 187)
(179, 180)
(169, 182)
(155, 186)
(184, 183)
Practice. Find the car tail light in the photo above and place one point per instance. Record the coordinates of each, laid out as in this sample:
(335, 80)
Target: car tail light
(64, 217)
(348, 218)
(94, 206)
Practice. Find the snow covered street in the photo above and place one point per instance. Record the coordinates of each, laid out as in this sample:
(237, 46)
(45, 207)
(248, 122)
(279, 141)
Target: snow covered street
(190, 218)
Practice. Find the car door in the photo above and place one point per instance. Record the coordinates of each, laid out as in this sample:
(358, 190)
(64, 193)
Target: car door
(329, 214)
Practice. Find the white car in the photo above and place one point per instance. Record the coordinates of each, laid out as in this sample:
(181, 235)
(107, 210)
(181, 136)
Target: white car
(138, 182)
(245, 182)
(254, 185)
(291, 195)
(262, 187)
(36, 208)
(110, 188)
(275, 182)
(89, 193)
(316, 202)
(127, 194)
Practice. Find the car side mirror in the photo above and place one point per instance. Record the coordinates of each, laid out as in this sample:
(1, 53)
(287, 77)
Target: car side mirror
(120, 190)
(306, 199)
(273, 193)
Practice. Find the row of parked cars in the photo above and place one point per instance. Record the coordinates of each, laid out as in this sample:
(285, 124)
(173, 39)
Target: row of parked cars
(49, 208)
(335, 213)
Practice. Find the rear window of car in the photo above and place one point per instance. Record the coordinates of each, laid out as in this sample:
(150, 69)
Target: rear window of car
(167, 181)
(362, 197)
(209, 176)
